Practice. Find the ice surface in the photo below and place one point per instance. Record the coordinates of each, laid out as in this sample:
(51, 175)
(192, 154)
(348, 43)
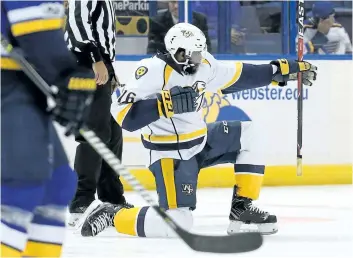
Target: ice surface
(313, 222)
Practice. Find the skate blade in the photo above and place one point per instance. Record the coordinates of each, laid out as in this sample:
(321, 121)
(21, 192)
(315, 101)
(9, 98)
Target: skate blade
(87, 212)
(263, 229)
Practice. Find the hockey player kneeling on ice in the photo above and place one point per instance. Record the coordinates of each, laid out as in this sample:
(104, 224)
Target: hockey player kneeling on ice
(164, 98)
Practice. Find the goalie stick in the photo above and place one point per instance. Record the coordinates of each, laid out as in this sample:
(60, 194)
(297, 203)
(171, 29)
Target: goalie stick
(300, 49)
(236, 243)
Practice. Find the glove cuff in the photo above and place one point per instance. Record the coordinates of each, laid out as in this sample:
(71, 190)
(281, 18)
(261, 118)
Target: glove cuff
(283, 66)
(165, 104)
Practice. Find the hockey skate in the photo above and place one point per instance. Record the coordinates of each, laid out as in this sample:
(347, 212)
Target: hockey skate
(99, 219)
(245, 217)
(76, 214)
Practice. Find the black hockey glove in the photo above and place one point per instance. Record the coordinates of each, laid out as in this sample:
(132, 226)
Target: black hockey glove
(177, 100)
(73, 99)
(288, 71)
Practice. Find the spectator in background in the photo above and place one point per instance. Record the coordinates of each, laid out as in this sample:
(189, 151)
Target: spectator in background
(210, 10)
(164, 20)
(322, 35)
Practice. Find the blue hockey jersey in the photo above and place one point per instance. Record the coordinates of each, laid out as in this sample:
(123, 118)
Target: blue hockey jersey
(36, 27)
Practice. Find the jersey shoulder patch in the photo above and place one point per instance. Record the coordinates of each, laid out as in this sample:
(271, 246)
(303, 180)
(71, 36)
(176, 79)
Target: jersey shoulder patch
(140, 71)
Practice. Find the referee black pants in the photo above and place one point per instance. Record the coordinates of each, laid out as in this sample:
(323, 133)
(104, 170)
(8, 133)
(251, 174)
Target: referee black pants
(93, 173)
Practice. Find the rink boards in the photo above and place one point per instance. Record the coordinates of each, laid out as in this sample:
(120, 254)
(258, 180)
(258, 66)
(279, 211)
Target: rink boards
(273, 110)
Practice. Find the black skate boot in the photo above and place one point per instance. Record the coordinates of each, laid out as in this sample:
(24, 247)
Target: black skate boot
(99, 219)
(244, 213)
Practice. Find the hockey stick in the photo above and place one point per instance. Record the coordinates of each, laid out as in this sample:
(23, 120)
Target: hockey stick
(300, 22)
(237, 243)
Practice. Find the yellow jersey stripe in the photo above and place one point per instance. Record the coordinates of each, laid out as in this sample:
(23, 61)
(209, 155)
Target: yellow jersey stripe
(122, 114)
(167, 166)
(236, 76)
(9, 64)
(205, 61)
(28, 27)
(42, 249)
(174, 138)
(167, 73)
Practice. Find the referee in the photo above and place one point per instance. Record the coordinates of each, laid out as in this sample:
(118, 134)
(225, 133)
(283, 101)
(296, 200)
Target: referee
(90, 35)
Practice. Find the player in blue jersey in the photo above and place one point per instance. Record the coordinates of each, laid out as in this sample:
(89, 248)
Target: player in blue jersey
(36, 180)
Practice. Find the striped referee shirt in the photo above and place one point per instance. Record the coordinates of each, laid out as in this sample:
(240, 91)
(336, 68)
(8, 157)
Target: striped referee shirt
(90, 28)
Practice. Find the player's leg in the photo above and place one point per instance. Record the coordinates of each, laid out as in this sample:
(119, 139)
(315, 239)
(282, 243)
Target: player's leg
(18, 200)
(249, 174)
(232, 142)
(109, 188)
(176, 183)
(87, 162)
(25, 162)
(47, 229)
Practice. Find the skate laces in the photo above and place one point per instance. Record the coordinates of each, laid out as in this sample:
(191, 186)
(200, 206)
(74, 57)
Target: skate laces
(254, 208)
(101, 222)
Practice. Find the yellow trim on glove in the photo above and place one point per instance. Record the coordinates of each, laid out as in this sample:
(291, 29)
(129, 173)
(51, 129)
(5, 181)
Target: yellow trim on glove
(82, 84)
(167, 103)
(284, 66)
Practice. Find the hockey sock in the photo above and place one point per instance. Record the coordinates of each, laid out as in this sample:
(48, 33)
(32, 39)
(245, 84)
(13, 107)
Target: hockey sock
(47, 230)
(145, 222)
(18, 200)
(249, 180)
(131, 221)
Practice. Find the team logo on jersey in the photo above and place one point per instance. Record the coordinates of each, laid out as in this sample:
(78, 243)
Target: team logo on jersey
(141, 71)
(199, 87)
(187, 189)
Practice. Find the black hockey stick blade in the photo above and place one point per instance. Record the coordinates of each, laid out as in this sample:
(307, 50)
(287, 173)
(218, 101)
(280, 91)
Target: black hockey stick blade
(236, 243)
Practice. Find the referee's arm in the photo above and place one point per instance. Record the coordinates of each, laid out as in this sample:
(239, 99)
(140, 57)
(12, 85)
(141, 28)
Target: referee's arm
(79, 21)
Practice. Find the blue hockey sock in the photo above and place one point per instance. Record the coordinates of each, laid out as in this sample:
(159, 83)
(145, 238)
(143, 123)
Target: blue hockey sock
(18, 200)
(47, 230)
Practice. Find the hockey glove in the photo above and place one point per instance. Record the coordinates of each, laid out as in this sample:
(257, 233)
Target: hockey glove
(177, 100)
(288, 71)
(73, 99)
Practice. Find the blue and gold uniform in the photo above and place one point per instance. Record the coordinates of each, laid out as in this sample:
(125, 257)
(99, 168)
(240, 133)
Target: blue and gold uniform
(183, 144)
(34, 166)
(164, 99)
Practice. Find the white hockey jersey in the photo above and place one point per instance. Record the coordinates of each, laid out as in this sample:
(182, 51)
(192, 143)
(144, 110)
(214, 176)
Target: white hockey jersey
(335, 42)
(183, 135)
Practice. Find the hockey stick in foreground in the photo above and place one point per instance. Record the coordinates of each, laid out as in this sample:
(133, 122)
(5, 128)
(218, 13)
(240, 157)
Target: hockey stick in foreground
(237, 243)
(300, 49)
